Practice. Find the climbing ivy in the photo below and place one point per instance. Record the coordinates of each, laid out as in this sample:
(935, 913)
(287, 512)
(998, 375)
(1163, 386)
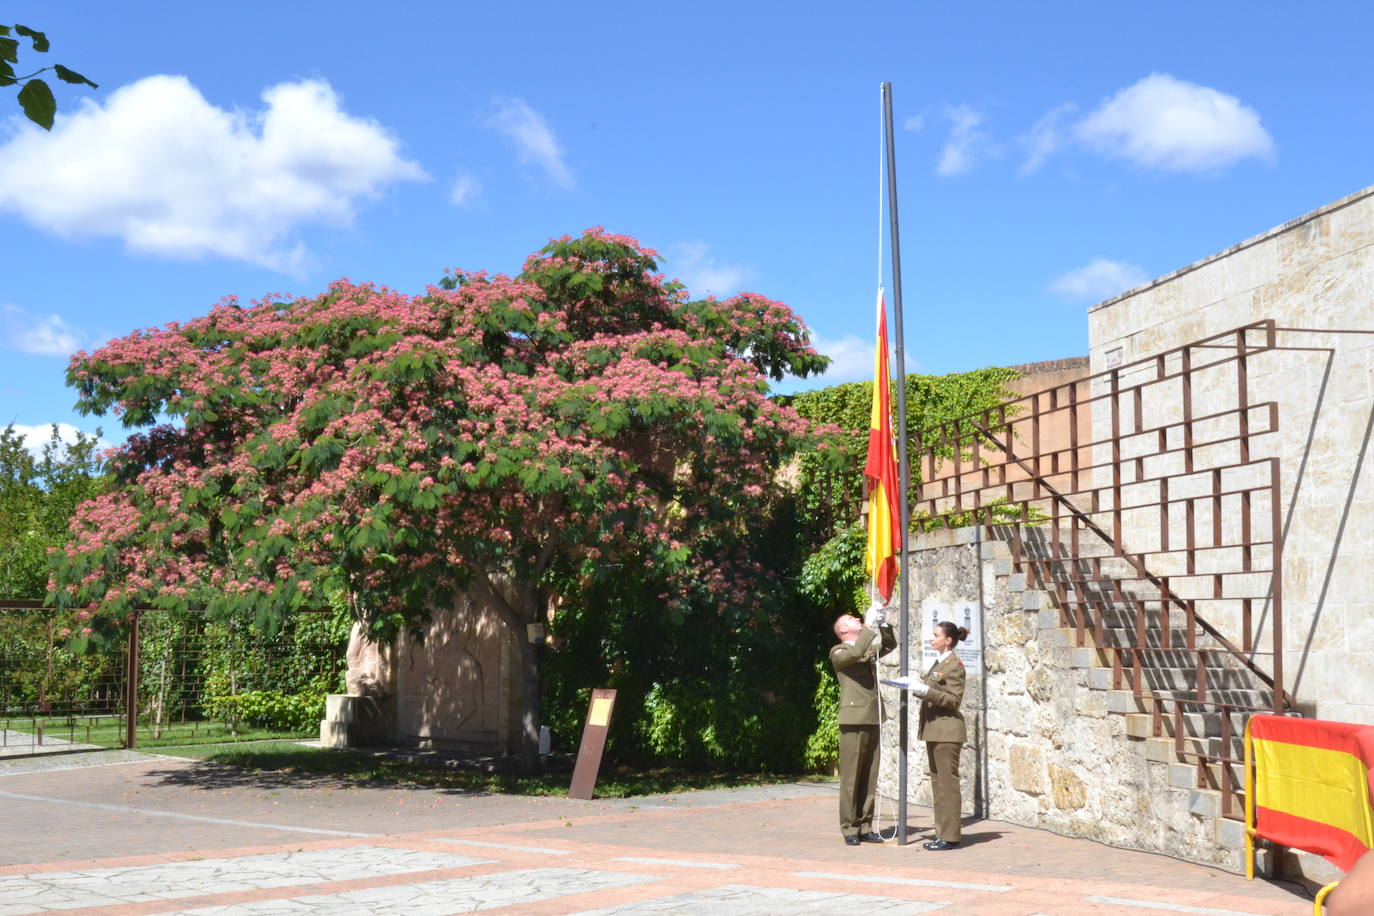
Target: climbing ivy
(831, 492)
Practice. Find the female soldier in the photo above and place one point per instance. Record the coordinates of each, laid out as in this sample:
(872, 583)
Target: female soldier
(942, 729)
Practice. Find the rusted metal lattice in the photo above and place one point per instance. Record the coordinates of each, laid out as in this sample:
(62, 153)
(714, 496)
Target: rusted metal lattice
(1150, 507)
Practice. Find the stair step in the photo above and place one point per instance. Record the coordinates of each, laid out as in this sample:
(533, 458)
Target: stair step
(1195, 724)
(1245, 699)
(1230, 834)
(1124, 701)
(1232, 686)
(1222, 668)
(1185, 680)
(1088, 657)
(1159, 750)
(1183, 775)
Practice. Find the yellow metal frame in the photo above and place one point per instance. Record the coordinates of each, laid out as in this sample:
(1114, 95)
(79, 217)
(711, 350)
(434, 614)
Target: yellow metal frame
(1321, 898)
(1249, 804)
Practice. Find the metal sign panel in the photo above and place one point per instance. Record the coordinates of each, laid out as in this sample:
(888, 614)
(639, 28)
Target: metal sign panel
(593, 744)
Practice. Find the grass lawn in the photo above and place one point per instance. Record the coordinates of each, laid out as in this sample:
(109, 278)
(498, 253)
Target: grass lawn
(361, 766)
(108, 731)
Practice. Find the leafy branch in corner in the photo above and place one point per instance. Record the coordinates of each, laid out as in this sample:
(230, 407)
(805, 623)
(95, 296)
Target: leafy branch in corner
(35, 96)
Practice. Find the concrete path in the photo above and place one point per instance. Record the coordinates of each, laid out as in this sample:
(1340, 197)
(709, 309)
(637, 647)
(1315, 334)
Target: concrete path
(123, 833)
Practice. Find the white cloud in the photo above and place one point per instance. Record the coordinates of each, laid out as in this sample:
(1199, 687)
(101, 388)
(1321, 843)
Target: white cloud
(533, 139)
(1045, 137)
(1165, 123)
(851, 357)
(35, 437)
(170, 174)
(703, 274)
(966, 142)
(466, 189)
(42, 335)
(1101, 279)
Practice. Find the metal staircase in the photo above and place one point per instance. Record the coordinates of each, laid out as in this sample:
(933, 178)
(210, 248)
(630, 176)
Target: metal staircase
(1139, 501)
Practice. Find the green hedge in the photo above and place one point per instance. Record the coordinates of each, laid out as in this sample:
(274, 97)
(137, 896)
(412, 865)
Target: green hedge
(269, 709)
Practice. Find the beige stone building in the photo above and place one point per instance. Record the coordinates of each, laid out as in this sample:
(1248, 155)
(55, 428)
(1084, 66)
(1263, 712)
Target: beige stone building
(1314, 274)
(1209, 555)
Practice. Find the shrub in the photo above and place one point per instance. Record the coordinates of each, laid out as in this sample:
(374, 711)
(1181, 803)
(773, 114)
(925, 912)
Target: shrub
(268, 709)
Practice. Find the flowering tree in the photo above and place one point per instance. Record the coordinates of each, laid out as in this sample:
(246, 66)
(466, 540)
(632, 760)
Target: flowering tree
(506, 436)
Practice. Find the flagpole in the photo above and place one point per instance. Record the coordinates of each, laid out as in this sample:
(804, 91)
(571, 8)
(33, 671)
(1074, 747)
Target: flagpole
(903, 469)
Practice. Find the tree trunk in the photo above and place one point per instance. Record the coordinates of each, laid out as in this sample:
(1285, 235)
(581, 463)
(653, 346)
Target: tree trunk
(530, 717)
(516, 616)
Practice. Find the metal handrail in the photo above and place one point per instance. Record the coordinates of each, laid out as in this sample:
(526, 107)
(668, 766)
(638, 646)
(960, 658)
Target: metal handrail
(1181, 364)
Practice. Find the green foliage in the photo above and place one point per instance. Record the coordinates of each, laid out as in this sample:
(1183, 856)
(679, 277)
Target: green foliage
(733, 725)
(35, 96)
(198, 668)
(38, 496)
(833, 577)
(831, 492)
(277, 678)
(822, 752)
(38, 672)
(270, 709)
(703, 685)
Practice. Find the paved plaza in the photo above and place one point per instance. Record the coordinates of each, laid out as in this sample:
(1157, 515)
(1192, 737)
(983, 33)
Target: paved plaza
(124, 833)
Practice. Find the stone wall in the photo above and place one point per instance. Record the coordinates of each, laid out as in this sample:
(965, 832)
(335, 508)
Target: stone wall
(1048, 741)
(458, 689)
(1316, 272)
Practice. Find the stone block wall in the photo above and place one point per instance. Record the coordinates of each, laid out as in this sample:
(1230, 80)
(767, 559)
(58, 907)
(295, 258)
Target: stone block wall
(458, 689)
(1049, 744)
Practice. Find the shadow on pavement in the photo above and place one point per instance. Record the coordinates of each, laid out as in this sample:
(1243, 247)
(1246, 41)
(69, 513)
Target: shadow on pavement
(982, 836)
(208, 774)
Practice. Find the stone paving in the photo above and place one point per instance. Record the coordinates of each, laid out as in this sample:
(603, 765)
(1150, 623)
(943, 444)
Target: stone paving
(123, 833)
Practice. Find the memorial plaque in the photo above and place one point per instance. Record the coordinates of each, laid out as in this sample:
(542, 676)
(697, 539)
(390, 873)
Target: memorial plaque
(593, 744)
(970, 651)
(961, 613)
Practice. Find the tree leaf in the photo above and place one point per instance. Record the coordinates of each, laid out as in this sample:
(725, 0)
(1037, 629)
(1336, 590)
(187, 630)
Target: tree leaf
(6, 74)
(39, 105)
(40, 41)
(9, 50)
(68, 75)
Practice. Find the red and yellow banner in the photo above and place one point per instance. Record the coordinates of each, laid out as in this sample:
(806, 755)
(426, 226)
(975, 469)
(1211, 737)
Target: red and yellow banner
(1310, 785)
(884, 514)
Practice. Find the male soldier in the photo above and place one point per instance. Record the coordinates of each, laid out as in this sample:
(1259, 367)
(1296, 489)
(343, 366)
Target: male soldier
(858, 718)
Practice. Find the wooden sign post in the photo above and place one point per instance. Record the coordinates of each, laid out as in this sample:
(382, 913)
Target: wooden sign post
(593, 744)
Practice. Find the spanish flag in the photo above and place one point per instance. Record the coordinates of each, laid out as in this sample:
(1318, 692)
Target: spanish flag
(1310, 786)
(884, 516)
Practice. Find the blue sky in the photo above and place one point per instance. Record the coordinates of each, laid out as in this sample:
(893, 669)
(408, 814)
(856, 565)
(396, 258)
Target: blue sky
(1050, 155)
